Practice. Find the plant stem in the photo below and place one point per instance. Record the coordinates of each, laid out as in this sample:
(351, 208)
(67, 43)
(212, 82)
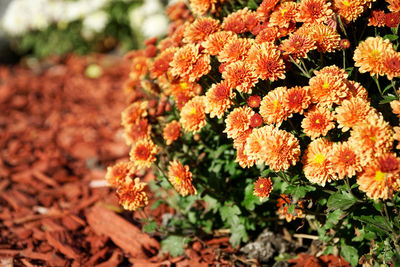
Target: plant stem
(344, 59)
(305, 73)
(394, 88)
(375, 78)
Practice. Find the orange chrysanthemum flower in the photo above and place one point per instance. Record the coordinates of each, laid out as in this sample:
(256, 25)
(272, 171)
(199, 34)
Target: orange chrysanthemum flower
(200, 68)
(349, 10)
(143, 153)
(137, 131)
(297, 46)
(235, 50)
(200, 29)
(266, 61)
(267, 34)
(161, 65)
(284, 202)
(139, 67)
(326, 89)
(241, 139)
(273, 107)
(256, 121)
(215, 42)
(380, 177)
(240, 21)
(284, 14)
(181, 178)
(266, 7)
(200, 7)
(332, 70)
(240, 75)
(369, 55)
(317, 122)
(372, 137)
(395, 105)
(392, 19)
(193, 116)
(132, 194)
(391, 64)
(116, 174)
(243, 159)
(171, 132)
(277, 148)
(184, 60)
(314, 11)
(326, 38)
(238, 121)
(344, 159)
(133, 113)
(262, 188)
(316, 164)
(394, 5)
(218, 99)
(297, 99)
(356, 90)
(377, 18)
(254, 101)
(351, 112)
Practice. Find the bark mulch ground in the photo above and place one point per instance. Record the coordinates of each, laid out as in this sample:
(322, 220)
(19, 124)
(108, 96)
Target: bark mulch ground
(59, 131)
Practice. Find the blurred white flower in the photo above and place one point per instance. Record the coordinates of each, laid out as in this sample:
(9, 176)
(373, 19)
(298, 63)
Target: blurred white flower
(155, 25)
(94, 23)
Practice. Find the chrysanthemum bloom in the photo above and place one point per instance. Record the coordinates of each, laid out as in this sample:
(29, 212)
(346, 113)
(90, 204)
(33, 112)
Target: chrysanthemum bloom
(193, 115)
(268, 34)
(395, 105)
(392, 19)
(297, 46)
(200, 68)
(394, 5)
(317, 122)
(380, 177)
(171, 132)
(297, 99)
(238, 121)
(200, 7)
(344, 44)
(200, 29)
(267, 62)
(314, 11)
(254, 101)
(133, 113)
(356, 90)
(166, 43)
(255, 146)
(256, 121)
(349, 10)
(316, 165)
(139, 67)
(372, 137)
(284, 202)
(391, 64)
(181, 178)
(281, 148)
(326, 38)
(266, 7)
(345, 160)
(132, 194)
(184, 60)
(235, 50)
(243, 159)
(377, 18)
(215, 42)
(273, 107)
(161, 65)
(240, 75)
(139, 130)
(369, 55)
(143, 153)
(332, 70)
(326, 89)
(284, 14)
(234, 22)
(262, 188)
(176, 11)
(351, 112)
(117, 173)
(218, 99)
(177, 33)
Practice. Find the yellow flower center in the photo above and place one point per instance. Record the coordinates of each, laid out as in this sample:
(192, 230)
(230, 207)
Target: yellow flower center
(177, 180)
(346, 3)
(379, 176)
(276, 103)
(261, 186)
(375, 53)
(183, 85)
(137, 66)
(372, 138)
(192, 111)
(283, 11)
(317, 121)
(319, 158)
(325, 85)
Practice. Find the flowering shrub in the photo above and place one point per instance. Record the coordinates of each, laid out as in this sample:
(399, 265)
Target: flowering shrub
(253, 109)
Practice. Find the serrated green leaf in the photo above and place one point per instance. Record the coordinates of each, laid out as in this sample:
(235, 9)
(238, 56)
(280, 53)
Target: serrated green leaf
(174, 245)
(238, 235)
(334, 217)
(252, 5)
(377, 222)
(349, 253)
(341, 200)
(150, 227)
(391, 37)
(228, 211)
(249, 198)
(212, 203)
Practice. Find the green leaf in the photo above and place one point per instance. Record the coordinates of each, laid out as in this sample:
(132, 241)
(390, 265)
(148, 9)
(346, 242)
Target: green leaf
(252, 5)
(334, 217)
(391, 37)
(387, 99)
(378, 223)
(212, 204)
(150, 227)
(174, 245)
(299, 191)
(341, 200)
(249, 198)
(349, 253)
(238, 235)
(230, 214)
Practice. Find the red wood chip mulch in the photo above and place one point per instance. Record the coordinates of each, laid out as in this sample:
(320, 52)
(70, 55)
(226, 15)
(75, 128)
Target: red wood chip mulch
(59, 129)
